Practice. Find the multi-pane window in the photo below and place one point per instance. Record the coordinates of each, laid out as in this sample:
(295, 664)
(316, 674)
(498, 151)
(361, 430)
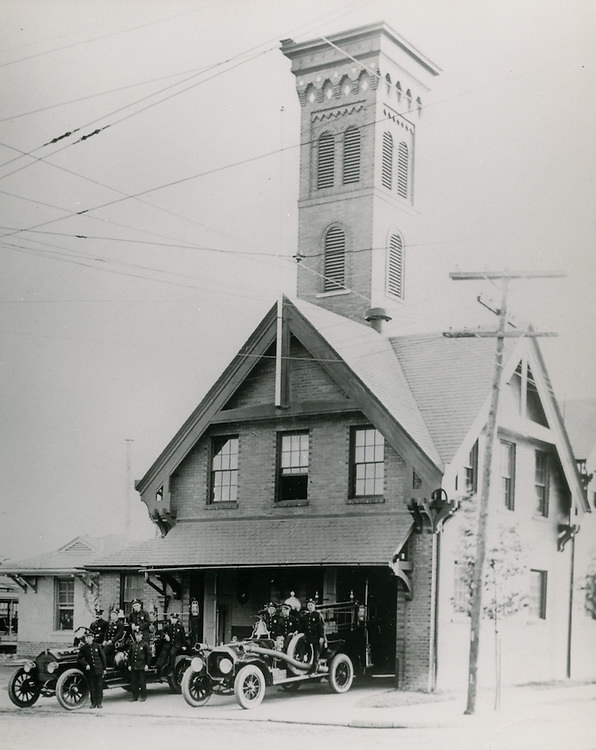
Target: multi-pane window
(326, 161)
(541, 483)
(335, 260)
(64, 604)
(131, 588)
(224, 469)
(293, 466)
(471, 471)
(387, 161)
(537, 597)
(395, 267)
(368, 462)
(508, 474)
(351, 155)
(402, 170)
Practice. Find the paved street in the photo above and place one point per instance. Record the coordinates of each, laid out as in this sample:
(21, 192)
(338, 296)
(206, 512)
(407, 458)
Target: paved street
(547, 718)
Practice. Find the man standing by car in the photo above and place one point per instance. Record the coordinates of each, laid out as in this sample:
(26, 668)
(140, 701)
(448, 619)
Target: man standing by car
(174, 642)
(138, 619)
(313, 628)
(139, 655)
(92, 661)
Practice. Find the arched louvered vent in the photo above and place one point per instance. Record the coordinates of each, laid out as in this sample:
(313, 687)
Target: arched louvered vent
(395, 267)
(387, 161)
(351, 155)
(326, 161)
(335, 260)
(402, 170)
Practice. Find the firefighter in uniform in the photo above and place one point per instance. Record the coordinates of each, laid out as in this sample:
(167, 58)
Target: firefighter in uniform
(139, 655)
(138, 619)
(271, 618)
(286, 625)
(174, 642)
(114, 634)
(313, 627)
(92, 661)
(98, 627)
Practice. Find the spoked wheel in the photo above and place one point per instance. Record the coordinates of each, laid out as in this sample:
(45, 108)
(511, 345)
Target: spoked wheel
(176, 675)
(23, 689)
(341, 673)
(249, 686)
(72, 689)
(196, 688)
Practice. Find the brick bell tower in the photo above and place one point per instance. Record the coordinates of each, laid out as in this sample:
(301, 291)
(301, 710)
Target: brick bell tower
(362, 94)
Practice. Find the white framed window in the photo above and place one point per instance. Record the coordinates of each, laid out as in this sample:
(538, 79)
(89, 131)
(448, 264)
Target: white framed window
(224, 469)
(367, 462)
(541, 482)
(508, 474)
(64, 604)
(537, 594)
(293, 460)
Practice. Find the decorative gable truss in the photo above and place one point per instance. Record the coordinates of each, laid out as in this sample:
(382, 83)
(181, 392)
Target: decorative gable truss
(286, 368)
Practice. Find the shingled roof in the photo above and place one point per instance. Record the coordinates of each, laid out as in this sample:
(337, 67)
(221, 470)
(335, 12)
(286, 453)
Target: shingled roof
(71, 556)
(359, 539)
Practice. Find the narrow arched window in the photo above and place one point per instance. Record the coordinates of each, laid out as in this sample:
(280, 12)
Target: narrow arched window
(334, 269)
(387, 161)
(351, 155)
(395, 267)
(326, 161)
(402, 170)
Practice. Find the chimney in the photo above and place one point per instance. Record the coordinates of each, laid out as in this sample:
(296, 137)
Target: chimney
(376, 317)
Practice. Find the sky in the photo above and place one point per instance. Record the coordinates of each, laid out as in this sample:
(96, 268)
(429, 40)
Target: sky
(139, 251)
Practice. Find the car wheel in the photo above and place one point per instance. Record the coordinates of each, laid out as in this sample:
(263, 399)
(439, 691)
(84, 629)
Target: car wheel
(23, 689)
(176, 675)
(72, 689)
(196, 688)
(341, 673)
(249, 686)
(300, 650)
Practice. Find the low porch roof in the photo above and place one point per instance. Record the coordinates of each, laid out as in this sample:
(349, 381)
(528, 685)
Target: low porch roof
(372, 539)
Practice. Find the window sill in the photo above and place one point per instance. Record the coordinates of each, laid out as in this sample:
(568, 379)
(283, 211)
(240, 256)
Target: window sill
(369, 500)
(290, 503)
(222, 506)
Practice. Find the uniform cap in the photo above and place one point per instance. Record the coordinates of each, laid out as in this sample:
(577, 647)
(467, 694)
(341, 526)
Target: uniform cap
(98, 611)
(174, 615)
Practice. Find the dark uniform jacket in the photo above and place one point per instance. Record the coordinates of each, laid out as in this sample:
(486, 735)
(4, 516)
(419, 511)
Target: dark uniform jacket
(285, 625)
(98, 628)
(115, 631)
(313, 626)
(176, 634)
(271, 622)
(140, 621)
(92, 655)
(139, 655)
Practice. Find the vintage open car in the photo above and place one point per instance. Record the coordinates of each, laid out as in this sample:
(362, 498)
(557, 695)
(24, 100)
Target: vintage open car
(247, 667)
(56, 672)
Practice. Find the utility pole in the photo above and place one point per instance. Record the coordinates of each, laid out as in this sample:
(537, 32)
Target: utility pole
(491, 432)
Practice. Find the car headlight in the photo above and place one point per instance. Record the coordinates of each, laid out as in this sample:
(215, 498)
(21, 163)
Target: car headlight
(52, 667)
(29, 666)
(225, 665)
(197, 664)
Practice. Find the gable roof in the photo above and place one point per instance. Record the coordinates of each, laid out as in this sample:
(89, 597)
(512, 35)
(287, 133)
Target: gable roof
(71, 556)
(451, 380)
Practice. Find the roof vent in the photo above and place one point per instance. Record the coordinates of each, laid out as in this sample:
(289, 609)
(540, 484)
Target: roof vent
(376, 317)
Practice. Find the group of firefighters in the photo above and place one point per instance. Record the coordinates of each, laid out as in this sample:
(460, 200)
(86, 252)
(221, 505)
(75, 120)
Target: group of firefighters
(133, 635)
